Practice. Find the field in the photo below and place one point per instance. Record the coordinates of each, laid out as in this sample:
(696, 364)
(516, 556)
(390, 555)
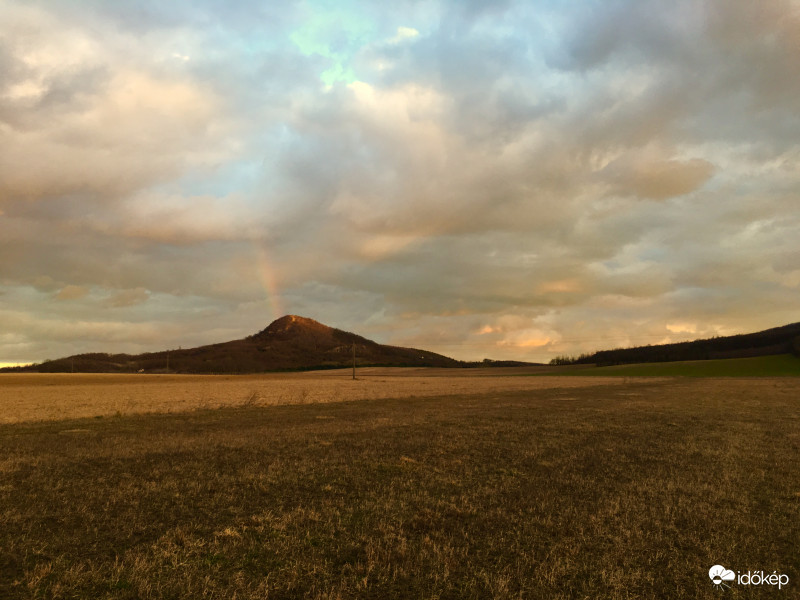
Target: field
(403, 484)
(44, 396)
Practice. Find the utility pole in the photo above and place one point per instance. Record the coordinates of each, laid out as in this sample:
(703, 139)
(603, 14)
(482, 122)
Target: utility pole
(354, 361)
(167, 361)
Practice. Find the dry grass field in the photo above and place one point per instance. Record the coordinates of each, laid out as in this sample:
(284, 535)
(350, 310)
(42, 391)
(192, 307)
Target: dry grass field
(438, 487)
(44, 396)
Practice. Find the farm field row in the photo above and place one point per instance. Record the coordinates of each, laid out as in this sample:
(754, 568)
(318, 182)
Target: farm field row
(41, 396)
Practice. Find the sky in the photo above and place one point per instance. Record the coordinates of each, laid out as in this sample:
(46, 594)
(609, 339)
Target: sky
(505, 180)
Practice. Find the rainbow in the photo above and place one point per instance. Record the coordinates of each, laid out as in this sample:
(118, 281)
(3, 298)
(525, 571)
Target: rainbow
(267, 276)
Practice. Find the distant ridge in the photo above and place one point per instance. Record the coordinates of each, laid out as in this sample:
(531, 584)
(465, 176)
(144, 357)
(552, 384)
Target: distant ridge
(289, 343)
(778, 340)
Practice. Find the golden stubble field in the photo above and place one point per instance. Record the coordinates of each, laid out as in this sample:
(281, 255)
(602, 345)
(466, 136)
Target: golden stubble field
(459, 485)
(44, 396)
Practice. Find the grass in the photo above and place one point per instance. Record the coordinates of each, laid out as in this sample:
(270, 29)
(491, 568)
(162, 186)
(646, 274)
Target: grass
(59, 396)
(780, 365)
(626, 491)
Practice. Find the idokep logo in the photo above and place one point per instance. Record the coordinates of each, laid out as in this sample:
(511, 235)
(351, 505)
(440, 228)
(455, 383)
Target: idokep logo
(720, 576)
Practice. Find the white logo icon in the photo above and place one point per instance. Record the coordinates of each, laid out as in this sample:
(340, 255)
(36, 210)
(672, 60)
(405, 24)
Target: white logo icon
(719, 575)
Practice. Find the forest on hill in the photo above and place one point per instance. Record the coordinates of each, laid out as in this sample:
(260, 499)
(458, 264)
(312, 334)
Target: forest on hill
(778, 340)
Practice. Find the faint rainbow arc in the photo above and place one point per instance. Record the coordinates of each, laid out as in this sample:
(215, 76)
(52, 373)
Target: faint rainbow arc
(268, 278)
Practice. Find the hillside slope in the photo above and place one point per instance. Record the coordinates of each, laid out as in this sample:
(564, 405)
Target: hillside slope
(289, 343)
(778, 340)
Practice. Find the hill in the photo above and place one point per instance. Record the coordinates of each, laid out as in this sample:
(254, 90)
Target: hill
(775, 365)
(289, 343)
(778, 340)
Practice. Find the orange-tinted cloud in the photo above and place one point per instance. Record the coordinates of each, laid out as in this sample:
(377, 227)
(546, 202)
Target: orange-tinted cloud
(72, 292)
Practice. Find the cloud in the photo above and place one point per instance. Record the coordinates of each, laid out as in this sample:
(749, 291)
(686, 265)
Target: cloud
(509, 181)
(132, 133)
(658, 179)
(128, 298)
(71, 292)
(404, 33)
(91, 126)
